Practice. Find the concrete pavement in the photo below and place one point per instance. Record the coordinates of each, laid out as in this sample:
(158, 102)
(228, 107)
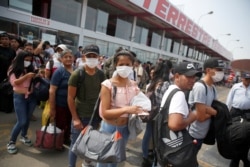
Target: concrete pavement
(30, 156)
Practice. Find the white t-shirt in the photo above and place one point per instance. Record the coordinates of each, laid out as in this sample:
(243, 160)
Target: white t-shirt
(80, 63)
(56, 64)
(178, 102)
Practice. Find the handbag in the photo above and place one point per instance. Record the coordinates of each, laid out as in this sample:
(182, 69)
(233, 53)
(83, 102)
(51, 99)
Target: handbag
(6, 87)
(98, 146)
(49, 137)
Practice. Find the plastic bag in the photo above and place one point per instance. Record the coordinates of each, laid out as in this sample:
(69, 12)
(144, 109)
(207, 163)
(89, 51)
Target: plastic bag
(45, 114)
(141, 100)
(51, 129)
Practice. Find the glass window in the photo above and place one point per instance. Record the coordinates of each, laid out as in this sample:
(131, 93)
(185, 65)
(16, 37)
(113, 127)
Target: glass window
(176, 47)
(123, 29)
(4, 3)
(145, 56)
(8, 26)
(29, 32)
(103, 46)
(21, 5)
(156, 40)
(144, 36)
(138, 31)
(102, 21)
(66, 11)
(49, 35)
(90, 22)
(141, 35)
(69, 39)
(190, 52)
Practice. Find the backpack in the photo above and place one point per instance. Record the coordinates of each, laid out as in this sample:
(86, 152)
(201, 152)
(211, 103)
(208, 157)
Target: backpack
(40, 88)
(174, 149)
(81, 78)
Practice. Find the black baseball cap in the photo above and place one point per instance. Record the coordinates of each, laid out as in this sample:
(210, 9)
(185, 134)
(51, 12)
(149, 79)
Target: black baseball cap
(91, 49)
(245, 75)
(214, 63)
(187, 69)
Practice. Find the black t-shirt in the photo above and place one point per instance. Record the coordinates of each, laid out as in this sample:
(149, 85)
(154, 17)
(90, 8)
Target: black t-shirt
(6, 56)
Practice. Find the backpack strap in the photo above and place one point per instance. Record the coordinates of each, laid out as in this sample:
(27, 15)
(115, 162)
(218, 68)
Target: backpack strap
(203, 82)
(165, 109)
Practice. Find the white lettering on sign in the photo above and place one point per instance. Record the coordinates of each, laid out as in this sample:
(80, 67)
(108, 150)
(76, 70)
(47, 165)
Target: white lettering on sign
(40, 20)
(168, 13)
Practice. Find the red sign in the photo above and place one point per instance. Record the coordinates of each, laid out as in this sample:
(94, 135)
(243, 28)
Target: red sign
(171, 15)
(39, 20)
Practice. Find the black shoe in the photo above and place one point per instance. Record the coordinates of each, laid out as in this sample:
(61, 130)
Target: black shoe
(146, 163)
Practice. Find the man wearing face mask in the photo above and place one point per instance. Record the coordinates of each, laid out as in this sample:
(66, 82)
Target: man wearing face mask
(83, 90)
(201, 100)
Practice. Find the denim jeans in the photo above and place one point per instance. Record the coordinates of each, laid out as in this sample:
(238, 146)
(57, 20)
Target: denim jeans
(24, 108)
(105, 127)
(74, 135)
(146, 139)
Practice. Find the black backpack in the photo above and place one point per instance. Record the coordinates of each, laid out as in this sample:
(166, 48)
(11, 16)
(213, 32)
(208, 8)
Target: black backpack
(40, 88)
(175, 149)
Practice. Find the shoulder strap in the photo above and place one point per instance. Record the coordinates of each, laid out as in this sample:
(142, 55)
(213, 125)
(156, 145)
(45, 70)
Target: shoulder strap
(81, 77)
(165, 109)
(201, 81)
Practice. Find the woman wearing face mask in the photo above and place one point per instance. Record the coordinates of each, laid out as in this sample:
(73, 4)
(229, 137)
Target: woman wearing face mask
(20, 76)
(114, 107)
(82, 97)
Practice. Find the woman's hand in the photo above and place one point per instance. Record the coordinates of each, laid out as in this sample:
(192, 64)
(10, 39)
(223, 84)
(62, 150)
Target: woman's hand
(30, 75)
(133, 109)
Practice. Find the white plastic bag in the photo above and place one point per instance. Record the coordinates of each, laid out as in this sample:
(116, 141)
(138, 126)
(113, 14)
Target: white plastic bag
(50, 129)
(141, 100)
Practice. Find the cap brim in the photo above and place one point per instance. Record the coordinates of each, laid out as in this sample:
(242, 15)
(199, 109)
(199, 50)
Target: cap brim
(193, 73)
(92, 53)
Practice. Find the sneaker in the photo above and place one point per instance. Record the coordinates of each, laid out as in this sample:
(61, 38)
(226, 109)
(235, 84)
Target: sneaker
(11, 147)
(146, 163)
(26, 141)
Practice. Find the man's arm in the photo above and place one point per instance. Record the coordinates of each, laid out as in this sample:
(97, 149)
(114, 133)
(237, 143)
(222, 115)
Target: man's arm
(204, 111)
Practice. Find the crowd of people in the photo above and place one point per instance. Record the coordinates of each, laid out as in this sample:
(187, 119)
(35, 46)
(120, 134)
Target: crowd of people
(77, 80)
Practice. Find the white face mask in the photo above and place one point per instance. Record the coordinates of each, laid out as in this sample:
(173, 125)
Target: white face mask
(91, 62)
(218, 76)
(26, 63)
(124, 71)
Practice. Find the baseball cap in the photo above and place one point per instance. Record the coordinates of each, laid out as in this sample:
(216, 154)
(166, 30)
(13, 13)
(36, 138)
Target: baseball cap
(187, 69)
(91, 49)
(214, 63)
(62, 46)
(245, 75)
